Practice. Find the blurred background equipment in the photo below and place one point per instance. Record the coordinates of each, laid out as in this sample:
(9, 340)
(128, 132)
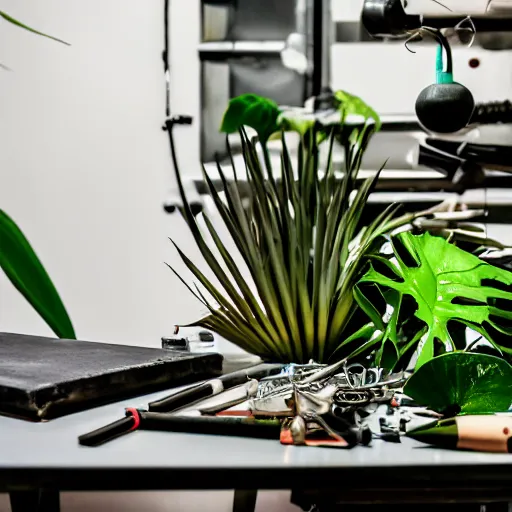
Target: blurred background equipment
(297, 49)
(387, 52)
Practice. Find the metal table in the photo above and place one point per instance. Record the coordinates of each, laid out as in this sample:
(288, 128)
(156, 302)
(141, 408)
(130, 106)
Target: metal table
(37, 460)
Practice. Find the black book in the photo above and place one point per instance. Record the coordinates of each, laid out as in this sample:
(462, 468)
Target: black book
(43, 378)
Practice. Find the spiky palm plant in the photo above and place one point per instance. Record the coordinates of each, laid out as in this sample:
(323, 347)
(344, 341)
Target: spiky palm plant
(301, 238)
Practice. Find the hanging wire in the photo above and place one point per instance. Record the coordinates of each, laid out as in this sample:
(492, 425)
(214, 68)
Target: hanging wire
(417, 35)
(472, 29)
(440, 38)
(442, 5)
(443, 41)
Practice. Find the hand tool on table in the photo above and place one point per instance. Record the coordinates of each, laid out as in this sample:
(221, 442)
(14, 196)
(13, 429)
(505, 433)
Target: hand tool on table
(181, 399)
(143, 420)
(212, 387)
(486, 433)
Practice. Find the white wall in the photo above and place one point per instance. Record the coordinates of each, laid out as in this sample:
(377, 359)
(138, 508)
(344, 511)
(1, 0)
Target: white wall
(84, 170)
(84, 165)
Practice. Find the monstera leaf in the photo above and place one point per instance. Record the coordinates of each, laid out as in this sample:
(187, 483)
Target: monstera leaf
(444, 284)
(254, 111)
(463, 383)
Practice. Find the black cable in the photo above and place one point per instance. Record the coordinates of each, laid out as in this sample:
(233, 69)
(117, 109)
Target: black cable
(493, 112)
(443, 41)
(171, 121)
(317, 46)
(170, 125)
(165, 56)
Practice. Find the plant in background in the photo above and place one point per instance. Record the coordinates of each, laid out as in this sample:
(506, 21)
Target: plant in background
(301, 238)
(22, 266)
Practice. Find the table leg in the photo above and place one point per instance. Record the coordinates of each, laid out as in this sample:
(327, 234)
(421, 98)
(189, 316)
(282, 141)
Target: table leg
(244, 501)
(35, 501)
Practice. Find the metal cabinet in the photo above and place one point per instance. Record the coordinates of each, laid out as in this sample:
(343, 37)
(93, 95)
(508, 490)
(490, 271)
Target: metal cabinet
(240, 52)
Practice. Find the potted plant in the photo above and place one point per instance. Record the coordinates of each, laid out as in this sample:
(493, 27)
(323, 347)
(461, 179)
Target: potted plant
(301, 241)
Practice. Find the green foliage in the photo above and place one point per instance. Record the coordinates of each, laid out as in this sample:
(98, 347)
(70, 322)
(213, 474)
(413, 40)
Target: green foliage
(303, 243)
(447, 284)
(23, 268)
(463, 383)
(251, 110)
(19, 24)
(301, 240)
(295, 122)
(19, 261)
(264, 116)
(348, 104)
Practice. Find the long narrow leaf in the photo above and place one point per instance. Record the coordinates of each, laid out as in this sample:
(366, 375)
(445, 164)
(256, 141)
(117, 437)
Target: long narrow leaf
(26, 272)
(19, 24)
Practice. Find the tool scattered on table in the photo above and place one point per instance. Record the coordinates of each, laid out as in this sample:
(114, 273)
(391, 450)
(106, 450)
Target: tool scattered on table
(212, 387)
(342, 405)
(488, 433)
(143, 420)
(312, 405)
(180, 400)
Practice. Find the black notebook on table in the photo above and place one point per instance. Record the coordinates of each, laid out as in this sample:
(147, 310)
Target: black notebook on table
(43, 378)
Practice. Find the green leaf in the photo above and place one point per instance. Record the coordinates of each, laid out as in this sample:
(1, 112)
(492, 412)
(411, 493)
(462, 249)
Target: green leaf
(448, 284)
(251, 110)
(290, 121)
(465, 383)
(14, 21)
(301, 238)
(353, 105)
(23, 268)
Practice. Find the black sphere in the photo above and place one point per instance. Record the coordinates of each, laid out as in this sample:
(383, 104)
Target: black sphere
(445, 108)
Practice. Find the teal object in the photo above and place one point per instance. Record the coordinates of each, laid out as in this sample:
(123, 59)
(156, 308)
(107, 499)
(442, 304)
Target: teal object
(442, 77)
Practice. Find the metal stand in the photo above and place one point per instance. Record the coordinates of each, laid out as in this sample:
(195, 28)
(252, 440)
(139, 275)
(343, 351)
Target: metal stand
(244, 501)
(35, 501)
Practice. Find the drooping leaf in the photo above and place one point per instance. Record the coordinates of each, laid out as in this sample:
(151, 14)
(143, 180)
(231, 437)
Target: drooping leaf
(463, 383)
(353, 105)
(447, 284)
(19, 24)
(254, 111)
(23, 268)
(296, 121)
